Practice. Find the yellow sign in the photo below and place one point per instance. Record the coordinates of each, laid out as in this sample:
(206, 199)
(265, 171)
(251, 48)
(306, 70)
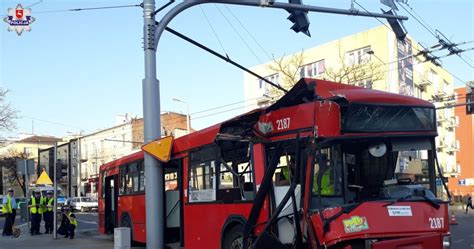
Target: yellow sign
(44, 179)
(160, 149)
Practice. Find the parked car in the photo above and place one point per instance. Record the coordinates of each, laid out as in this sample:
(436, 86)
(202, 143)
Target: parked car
(84, 204)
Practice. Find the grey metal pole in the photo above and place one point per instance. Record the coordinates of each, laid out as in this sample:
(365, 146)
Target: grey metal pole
(152, 130)
(26, 173)
(55, 208)
(78, 173)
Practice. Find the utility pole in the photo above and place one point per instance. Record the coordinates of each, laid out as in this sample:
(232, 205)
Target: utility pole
(55, 208)
(152, 130)
(152, 32)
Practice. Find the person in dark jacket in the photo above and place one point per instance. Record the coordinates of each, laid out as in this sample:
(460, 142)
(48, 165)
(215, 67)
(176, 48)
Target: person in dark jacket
(469, 203)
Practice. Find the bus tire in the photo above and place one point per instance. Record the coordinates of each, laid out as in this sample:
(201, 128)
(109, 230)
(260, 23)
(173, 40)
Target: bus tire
(127, 222)
(234, 238)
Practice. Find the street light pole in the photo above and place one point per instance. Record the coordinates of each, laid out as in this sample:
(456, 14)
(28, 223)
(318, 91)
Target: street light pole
(188, 118)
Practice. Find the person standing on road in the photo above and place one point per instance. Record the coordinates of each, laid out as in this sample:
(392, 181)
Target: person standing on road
(469, 203)
(9, 209)
(48, 214)
(35, 204)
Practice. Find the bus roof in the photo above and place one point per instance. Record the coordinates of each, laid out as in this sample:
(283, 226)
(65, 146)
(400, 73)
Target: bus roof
(305, 90)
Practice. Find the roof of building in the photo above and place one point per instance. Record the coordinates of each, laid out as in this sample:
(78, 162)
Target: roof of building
(40, 139)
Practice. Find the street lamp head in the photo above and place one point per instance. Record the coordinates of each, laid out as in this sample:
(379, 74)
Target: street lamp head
(371, 52)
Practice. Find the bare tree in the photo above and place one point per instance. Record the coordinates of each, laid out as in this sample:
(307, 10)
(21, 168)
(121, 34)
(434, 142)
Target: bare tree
(289, 70)
(8, 163)
(355, 72)
(7, 113)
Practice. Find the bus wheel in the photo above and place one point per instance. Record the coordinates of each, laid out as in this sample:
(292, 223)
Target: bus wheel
(234, 238)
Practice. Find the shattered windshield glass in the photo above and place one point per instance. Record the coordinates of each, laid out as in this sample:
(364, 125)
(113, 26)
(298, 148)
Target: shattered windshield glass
(376, 118)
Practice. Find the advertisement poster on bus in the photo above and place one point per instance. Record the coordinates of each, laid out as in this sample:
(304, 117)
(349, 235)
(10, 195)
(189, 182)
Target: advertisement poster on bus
(405, 67)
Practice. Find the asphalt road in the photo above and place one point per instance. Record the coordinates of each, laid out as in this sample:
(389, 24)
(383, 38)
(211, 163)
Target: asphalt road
(462, 233)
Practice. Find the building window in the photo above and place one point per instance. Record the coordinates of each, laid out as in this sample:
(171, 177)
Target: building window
(365, 83)
(313, 70)
(275, 78)
(358, 56)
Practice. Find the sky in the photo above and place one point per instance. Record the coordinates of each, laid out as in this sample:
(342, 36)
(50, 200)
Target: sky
(76, 70)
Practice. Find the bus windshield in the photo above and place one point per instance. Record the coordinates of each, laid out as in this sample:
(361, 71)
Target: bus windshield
(371, 169)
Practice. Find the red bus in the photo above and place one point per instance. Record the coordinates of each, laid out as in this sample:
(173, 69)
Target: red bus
(327, 166)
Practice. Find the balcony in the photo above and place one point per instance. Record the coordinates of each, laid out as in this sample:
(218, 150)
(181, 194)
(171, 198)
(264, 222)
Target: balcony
(424, 80)
(440, 93)
(453, 147)
(440, 117)
(453, 122)
(441, 145)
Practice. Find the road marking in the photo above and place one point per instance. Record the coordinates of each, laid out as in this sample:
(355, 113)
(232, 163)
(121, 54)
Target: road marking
(88, 222)
(459, 241)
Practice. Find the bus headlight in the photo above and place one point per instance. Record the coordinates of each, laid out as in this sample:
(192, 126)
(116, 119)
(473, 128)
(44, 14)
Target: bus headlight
(447, 241)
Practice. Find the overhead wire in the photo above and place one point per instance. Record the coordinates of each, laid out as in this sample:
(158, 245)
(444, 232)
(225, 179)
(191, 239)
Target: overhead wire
(238, 34)
(213, 30)
(415, 48)
(91, 8)
(250, 34)
(432, 31)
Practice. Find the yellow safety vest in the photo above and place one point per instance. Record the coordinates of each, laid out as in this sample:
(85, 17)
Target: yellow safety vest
(49, 202)
(7, 208)
(327, 188)
(72, 220)
(285, 173)
(35, 210)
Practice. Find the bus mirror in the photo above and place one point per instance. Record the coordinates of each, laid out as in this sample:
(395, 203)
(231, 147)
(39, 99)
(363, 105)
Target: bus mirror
(378, 149)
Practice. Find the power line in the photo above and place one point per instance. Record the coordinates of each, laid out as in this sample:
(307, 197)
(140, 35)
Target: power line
(213, 31)
(92, 8)
(238, 34)
(446, 43)
(250, 34)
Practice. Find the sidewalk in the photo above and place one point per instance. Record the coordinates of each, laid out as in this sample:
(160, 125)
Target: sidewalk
(89, 239)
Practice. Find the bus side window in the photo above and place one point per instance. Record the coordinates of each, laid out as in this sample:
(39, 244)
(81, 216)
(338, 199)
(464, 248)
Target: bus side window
(202, 170)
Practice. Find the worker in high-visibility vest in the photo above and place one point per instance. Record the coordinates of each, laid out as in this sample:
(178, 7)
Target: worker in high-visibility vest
(71, 223)
(48, 214)
(36, 210)
(9, 210)
(327, 183)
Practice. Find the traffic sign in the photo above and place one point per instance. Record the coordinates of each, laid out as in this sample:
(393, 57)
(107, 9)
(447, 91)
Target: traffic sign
(160, 149)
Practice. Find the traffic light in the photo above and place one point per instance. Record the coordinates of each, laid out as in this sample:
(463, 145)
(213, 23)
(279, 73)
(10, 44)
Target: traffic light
(470, 103)
(299, 19)
(61, 170)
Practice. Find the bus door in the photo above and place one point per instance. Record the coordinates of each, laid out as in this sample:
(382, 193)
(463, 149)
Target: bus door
(292, 153)
(111, 199)
(173, 195)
